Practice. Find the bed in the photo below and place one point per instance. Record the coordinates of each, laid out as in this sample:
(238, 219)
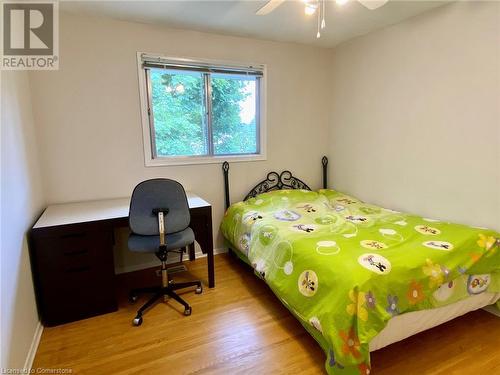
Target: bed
(358, 276)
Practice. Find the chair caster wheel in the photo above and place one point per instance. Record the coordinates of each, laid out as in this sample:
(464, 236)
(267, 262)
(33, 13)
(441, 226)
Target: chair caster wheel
(137, 321)
(132, 298)
(199, 289)
(187, 311)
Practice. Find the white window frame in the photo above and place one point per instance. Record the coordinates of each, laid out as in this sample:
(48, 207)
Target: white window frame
(148, 142)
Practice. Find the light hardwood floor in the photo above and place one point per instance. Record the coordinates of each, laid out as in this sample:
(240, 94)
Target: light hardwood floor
(241, 328)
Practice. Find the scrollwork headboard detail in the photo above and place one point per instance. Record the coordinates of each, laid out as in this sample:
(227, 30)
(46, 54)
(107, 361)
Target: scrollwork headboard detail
(273, 181)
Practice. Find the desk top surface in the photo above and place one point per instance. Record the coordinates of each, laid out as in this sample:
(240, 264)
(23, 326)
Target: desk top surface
(82, 212)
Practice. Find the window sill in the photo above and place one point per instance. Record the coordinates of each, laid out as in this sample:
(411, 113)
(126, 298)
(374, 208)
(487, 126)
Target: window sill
(194, 160)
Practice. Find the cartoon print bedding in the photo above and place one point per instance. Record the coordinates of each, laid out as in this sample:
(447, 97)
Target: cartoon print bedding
(344, 267)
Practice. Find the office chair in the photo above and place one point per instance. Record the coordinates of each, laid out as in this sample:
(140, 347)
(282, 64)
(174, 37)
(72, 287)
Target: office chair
(159, 219)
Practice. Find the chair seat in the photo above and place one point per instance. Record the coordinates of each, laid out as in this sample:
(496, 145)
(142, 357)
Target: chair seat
(150, 244)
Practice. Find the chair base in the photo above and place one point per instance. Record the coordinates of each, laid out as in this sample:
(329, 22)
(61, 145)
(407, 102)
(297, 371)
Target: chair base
(160, 291)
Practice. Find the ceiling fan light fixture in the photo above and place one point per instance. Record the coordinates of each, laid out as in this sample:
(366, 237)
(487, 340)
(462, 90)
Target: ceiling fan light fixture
(313, 6)
(310, 9)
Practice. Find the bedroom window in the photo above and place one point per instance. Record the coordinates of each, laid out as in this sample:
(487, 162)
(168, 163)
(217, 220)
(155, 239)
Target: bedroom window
(200, 112)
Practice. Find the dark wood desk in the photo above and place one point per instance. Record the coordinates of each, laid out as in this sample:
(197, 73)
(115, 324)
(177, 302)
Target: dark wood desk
(71, 250)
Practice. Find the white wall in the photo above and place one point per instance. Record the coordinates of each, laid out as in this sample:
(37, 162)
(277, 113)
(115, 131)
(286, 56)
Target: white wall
(415, 115)
(88, 113)
(22, 201)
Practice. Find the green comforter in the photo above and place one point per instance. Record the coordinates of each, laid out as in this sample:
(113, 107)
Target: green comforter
(344, 267)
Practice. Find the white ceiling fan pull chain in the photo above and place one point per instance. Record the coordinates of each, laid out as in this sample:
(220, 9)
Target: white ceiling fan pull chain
(318, 35)
(323, 23)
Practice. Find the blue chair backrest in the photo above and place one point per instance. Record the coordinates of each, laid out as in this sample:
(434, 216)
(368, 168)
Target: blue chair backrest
(158, 193)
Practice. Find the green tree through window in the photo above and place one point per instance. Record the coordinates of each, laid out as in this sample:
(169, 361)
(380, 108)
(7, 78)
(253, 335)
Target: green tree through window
(233, 121)
(180, 116)
(178, 110)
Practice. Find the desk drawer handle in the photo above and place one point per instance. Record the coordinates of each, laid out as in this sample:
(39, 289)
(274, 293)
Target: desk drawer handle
(74, 235)
(78, 269)
(75, 252)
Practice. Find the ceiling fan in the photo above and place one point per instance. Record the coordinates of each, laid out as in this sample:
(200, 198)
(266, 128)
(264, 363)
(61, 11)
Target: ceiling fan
(312, 5)
(273, 4)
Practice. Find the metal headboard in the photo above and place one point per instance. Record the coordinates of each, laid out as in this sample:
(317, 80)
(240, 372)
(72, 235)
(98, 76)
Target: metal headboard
(273, 181)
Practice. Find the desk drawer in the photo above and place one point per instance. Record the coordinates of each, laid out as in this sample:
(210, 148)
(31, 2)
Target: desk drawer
(74, 274)
(74, 250)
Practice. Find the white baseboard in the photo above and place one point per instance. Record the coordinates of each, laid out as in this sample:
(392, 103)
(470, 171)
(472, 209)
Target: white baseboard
(34, 347)
(220, 250)
(492, 309)
(137, 267)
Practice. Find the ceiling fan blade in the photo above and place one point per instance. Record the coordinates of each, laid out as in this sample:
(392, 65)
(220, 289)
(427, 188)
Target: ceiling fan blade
(373, 4)
(269, 7)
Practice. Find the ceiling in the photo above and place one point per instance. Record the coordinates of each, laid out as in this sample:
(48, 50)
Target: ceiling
(287, 23)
